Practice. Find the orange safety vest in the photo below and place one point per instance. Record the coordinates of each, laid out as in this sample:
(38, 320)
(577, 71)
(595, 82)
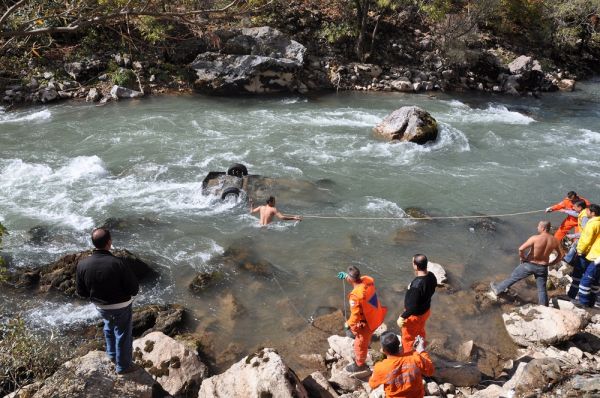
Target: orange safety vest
(365, 305)
(567, 204)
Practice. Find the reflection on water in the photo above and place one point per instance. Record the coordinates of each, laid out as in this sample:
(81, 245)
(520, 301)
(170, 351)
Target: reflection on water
(140, 164)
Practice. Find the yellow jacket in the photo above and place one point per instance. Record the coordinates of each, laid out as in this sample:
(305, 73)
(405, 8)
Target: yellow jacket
(589, 242)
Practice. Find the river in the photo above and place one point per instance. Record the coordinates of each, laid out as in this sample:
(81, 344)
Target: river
(68, 167)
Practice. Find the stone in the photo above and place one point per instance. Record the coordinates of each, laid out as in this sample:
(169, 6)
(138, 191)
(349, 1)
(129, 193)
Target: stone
(409, 123)
(402, 85)
(447, 388)
(93, 95)
(432, 388)
(343, 346)
(251, 60)
(491, 391)
(118, 92)
(536, 374)
(84, 69)
(533, 325)
(177, 369)
(459, 374)
(261, 374)
(379, 392)
(341, 379)
(165, 318)
(566, 85)
(94, 375)
(524, 64)
(48, 95)
(439, 272)
(465, 351)
(317, 386)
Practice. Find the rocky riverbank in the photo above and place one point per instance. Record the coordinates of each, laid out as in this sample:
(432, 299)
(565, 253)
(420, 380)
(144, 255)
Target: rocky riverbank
(262, 60)
(556, 350)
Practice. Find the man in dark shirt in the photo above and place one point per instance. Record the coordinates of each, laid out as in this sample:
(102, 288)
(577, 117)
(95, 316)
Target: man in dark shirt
(417, 303)
(109, 284)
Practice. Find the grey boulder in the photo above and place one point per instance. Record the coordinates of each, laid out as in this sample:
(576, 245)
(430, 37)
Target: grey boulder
(409, 123)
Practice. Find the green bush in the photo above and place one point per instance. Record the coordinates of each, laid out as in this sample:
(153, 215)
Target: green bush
(124, 77)
(25, 357)
(334, 32)
(3, 274)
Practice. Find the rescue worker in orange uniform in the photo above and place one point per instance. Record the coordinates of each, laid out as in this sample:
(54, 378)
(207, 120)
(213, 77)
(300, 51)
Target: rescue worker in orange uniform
(366, 315)
(417, 303)
(401, 373)
(570, 222)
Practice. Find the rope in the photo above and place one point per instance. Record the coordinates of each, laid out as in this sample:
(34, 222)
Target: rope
(420, 218)
(310, 320)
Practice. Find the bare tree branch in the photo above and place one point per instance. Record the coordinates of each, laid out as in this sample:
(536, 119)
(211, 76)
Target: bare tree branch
(12, 9)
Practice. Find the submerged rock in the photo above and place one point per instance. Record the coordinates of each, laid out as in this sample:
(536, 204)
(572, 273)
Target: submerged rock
(178, 370)
(262, 374)
(166, 318)
(409, 123)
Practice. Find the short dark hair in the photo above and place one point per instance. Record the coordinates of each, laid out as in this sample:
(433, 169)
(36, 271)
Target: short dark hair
(580, 203)
(572, 194)
(390, 343)
(420, 261)
(100, 237)
(271, 200)
(546, 225)
(354, 273)
(595, 209)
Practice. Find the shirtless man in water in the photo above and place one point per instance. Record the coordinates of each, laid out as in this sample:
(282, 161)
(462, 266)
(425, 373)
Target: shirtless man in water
(268, 211)
(534, 262)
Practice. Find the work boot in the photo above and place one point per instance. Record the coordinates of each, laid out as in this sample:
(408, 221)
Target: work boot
(354, 368)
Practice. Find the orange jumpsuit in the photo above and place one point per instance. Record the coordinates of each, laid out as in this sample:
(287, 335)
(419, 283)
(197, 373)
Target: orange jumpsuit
(402, 375)
(413, 326)
(366, 314)
(569, 222)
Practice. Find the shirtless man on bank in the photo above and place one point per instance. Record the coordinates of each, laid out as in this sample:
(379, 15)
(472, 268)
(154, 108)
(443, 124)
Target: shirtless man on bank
(268, 211)
(535, 260)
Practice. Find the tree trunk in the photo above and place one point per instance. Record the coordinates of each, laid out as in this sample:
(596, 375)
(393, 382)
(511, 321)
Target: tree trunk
(362, 13)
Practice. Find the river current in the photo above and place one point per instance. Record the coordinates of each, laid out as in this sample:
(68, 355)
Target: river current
(69, 167)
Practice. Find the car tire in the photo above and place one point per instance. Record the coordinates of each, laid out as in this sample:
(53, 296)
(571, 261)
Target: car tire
(230, 191)
(238, 170)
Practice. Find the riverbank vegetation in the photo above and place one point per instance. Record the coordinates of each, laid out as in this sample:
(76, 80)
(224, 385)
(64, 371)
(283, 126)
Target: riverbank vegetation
(40, 32)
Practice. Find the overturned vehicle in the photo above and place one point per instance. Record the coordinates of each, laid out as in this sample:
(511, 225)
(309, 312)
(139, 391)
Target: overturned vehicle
(237, 183)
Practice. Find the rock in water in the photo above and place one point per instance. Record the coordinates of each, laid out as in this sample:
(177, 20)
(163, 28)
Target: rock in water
(532, 325)
(409, 123)
(262, 374)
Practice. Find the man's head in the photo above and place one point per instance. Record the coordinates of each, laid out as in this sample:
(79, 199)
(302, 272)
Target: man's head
(544, 226)
(594, 210)
(390, 343)
(271, 201)
(101, 238)
(579, 205)
(420, 262)
(353, 273)
(572, 195)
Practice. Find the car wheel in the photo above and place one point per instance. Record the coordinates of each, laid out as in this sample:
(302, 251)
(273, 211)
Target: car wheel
(231, 191)
(238, 170)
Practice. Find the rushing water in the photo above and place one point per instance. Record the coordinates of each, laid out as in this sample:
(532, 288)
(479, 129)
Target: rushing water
(71, 166)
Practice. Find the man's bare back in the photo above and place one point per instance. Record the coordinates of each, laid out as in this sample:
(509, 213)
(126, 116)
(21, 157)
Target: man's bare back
(268, 211)
(540, 247)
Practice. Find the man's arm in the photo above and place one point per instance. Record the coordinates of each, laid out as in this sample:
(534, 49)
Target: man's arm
(424, 363)
(287, 218)
(129, 280)
(560, 253)
(252, 211)
(355, 313)
(527, 245)
(411, 301)
(378, 377)
(82, 289)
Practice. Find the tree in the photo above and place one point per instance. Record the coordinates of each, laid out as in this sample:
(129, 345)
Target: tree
(2, 265)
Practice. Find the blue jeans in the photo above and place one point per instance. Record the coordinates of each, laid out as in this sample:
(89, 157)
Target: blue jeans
(522, 272)
(117, 332)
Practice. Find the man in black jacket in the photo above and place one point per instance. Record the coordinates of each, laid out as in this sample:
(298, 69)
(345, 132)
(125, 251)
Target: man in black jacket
(110, 285)
(417, 303)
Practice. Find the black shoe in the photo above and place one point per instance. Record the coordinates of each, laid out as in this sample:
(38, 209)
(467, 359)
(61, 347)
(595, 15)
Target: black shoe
(354, 368)
(132, 368)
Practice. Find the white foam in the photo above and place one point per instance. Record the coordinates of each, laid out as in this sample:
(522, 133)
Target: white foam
(383, 208)
(293, 100)
(27, 116)
(82, 167)
(61, 315)
(494, 113)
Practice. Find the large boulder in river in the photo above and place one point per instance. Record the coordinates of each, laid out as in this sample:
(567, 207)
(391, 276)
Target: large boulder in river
(533, 325)
(262, 374)
(60, 275)
(251, 60)
(409, 123)
(93, 375)
(164, 318)
(178, 370)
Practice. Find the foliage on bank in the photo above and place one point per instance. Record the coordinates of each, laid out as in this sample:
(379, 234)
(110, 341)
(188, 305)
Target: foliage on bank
(3, 275)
